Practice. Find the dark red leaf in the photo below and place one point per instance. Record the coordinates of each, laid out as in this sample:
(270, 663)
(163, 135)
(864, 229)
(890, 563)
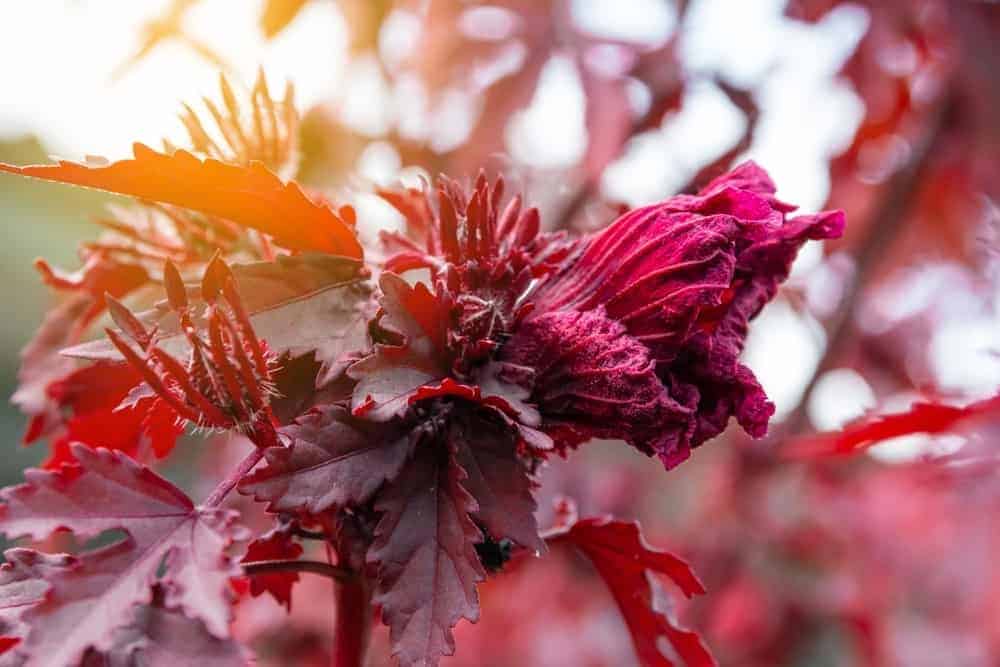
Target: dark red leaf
(497, 479)
(332, 460)
(424, 550)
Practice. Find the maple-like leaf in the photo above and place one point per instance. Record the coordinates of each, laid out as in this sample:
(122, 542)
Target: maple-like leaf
(96, 593)
(931, 418)
(250, 196)
(332, 460)
(425, 554)
(274, 545)
(23, 584)
(159, 637)
(627, 564)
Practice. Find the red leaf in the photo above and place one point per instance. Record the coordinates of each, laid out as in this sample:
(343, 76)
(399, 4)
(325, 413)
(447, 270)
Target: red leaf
(97, 592)
(41, 364)
(928, 418)
(332, 460)
(275, 545)
(390, 376)
(250, 196)
(425, 552)
(93, 397)
(159, 637)
(497, 479)
(23, 585)
(625, 562)
(608, 117)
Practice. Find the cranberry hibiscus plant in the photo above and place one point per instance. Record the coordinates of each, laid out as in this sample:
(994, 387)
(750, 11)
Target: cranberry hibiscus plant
(400, 418)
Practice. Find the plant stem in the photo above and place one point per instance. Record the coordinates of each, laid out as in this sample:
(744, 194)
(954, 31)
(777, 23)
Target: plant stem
(316, 567)
(352, 631)
(229, 483)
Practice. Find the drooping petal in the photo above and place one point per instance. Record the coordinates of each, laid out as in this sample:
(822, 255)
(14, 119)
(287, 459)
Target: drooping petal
(592, 379)
(682, 278)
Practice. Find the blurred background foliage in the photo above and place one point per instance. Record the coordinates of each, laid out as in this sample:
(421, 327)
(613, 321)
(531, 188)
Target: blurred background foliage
(886, 108)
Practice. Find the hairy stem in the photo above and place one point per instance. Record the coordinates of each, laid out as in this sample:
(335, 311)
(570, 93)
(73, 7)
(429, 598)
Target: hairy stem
(353, 624)
(339, 574)
(229, 483)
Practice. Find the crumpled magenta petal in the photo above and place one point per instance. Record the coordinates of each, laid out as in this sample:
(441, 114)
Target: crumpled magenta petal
(682, 279)
(592, 379)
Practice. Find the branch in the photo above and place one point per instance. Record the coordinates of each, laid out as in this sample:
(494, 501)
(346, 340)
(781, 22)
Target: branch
(339, 574)
(883, 227)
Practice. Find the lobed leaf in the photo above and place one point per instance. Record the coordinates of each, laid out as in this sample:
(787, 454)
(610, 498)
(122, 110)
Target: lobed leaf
(159, 637)
(424, 551)
(96, 593)
(498, 481)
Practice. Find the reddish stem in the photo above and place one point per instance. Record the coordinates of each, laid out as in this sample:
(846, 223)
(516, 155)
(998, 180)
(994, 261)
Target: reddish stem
(315, 567)
(229, 483)
(352, 631)
(887, 221)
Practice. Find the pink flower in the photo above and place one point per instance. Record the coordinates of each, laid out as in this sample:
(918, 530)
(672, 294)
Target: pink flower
(634, 332)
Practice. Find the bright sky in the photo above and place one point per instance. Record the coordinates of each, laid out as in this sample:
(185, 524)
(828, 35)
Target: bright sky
(58, 55)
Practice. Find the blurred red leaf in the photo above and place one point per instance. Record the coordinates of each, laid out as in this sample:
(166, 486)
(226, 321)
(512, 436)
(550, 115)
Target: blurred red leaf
(626, 563)
(275, 545)
(929, 418)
